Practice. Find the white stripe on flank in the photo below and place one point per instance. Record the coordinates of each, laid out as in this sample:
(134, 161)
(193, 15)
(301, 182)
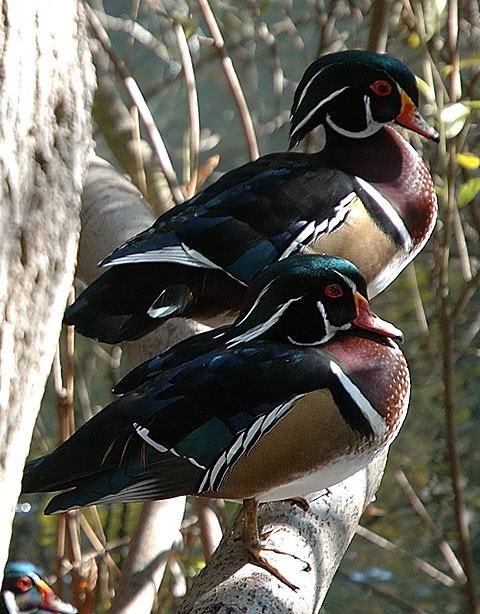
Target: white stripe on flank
(375, 420)
(388, 209)
(212, 480)
(311, 232)
(308, 231)
(233, 449)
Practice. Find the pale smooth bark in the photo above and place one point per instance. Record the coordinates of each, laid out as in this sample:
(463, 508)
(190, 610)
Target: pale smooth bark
(113, 210)
(319, 537)
(45, 124)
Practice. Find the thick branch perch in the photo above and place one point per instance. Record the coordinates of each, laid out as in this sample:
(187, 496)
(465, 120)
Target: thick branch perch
(319, 537)
(113, 210)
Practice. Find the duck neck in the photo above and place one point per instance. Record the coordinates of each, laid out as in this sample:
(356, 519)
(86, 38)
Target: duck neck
(377, 158)
(394, 168)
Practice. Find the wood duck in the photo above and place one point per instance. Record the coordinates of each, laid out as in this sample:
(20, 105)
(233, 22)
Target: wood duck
(280, 305)
(24, 589)
(367, 197)
(302, 391)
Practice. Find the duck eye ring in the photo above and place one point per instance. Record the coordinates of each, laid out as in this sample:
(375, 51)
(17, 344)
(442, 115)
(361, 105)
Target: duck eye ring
(333, 291)
(24, 584)
(381, 87)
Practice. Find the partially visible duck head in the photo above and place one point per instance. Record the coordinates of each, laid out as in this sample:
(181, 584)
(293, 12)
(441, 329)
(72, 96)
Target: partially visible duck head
(355, 93)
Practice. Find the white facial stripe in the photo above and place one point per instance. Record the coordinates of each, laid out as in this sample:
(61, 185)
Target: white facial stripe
(371, 128)
(307, 86)
(316, 108)
(329, 328)
(10, 603)
(348, 281)
(263, 326)
(387, 208)
(372, 416)
(257, 301)
(368, 110)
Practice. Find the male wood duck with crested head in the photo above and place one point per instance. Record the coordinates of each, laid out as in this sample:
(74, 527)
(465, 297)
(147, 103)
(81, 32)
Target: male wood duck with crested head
(303, 390)
(24, 589)
(367, 196)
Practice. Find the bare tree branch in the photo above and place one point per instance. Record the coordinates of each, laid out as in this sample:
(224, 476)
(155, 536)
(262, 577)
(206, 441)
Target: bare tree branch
(113, 210)
(318, 536)
(232, 79)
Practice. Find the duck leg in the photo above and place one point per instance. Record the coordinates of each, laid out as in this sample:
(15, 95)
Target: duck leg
(253, 545)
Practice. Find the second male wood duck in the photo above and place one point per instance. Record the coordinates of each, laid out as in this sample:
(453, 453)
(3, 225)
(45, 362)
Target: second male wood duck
(367, 196)
(24, 589)
(301, 392)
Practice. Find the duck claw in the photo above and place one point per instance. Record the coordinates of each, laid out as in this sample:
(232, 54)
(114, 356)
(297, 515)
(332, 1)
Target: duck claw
(256, 548)
(260, 560)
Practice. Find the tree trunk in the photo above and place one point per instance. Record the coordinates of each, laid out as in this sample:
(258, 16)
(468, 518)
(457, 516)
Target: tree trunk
(45, 111)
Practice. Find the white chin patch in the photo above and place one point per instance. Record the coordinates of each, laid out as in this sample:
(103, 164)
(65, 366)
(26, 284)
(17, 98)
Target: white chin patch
(372, 128)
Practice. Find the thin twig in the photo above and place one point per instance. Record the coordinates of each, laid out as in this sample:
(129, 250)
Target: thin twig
(467, 293)
(193, 112)
(137, 98)
(448, 346)
(424, 566)
(418, 507)
(417, 300)
(461, 246)
(98, 544)
(232, 79)
(210, 530)
(113, 544)
(379, 25)
(386, 595)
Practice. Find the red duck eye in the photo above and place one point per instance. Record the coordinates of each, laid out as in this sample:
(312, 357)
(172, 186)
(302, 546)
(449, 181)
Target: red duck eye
(381, 88)
(24, 584)
(333, 291)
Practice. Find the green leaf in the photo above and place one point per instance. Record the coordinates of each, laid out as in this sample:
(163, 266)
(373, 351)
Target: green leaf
(468, 191)
(473, 104)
